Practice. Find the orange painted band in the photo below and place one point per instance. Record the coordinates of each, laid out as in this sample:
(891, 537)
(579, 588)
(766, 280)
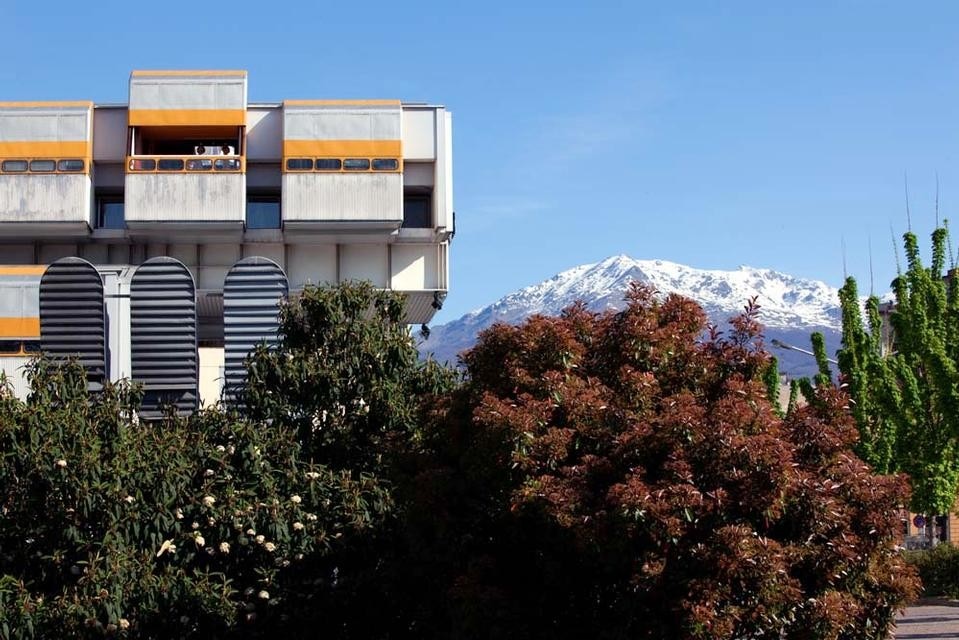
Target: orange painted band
(33, 105)
(82, 149)
(341, 103)
(343, 148)
(23, 270)
(181, 117)
(155, 73)
(20, 327)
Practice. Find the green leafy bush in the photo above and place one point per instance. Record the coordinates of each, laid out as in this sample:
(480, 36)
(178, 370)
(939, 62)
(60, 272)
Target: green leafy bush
(938, 569)
(218, 524)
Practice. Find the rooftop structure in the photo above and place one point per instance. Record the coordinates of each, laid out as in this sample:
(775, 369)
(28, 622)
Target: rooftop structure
(325, 190)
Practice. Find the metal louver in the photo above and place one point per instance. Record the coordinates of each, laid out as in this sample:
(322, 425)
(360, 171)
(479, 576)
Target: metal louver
(72, 316)
(252, 293)
(163, 336)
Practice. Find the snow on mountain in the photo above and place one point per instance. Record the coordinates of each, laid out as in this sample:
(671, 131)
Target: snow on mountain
(791, 308)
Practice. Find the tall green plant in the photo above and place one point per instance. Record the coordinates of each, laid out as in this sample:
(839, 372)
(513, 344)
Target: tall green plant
(905, 395)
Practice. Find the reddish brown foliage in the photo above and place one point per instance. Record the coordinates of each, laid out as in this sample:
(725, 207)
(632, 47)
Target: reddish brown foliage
(624, 475)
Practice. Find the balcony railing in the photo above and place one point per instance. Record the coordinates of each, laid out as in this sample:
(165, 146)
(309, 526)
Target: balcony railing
(186, 164)
(42, 165)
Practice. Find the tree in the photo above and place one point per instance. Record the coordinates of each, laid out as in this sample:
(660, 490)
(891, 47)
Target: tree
(616, 475)
(906, 399)
(222, 524)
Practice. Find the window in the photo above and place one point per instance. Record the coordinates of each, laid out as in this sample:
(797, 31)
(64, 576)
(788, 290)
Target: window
(110, 212)
(70, 165)
(9, 347)
(227, 165)
(299, 164)
(417, 211)
(198, 165)
(143, 164)
(356, 164)
(14, 166)
(170, 164)
(328, 164)
(386, 164)
(43, 166)
(31, 346)
(263, 211)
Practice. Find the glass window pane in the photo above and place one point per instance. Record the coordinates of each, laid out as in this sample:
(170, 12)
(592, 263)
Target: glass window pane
(199, 165)
(14, 166)
(110, 215)
(143, 164)
(170, 164)
(8, 347)
(31, 346)
(386, 164)
(43, 166)
(356, 164)
(299, 164)
(70, 165)
(328, 164)
(227, 165)
(263, 215)
(417, 212)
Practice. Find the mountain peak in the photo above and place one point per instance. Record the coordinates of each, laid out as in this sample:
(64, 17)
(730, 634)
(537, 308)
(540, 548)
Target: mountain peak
(786, 303)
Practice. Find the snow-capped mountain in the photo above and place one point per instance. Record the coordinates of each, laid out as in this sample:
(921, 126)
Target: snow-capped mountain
(791, 308)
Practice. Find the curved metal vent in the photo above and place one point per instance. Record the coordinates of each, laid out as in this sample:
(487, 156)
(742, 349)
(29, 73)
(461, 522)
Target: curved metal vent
(252, 293)
(163, 336)
(73, 318)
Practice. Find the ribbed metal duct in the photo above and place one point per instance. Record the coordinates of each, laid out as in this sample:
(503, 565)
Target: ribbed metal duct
(163, 336)
(73, 318)
(252, 293)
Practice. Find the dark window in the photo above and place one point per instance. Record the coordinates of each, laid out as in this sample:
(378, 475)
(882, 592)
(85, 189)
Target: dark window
(299, 164)
(386, 164)
(110, 212)
(14, 166)
(199, 165)
(263, 212)
(328, 164)
(417, 211)
(31, 346)
(70, 165)
(9, 347)
(170, 164)
(227, 165)
(356, 164)
(43, 166)
(143, 164)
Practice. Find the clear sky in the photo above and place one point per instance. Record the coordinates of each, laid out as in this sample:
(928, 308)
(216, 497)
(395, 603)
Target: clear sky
(713, 134)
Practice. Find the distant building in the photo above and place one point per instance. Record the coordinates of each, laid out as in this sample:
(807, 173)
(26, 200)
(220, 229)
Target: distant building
(191, 179)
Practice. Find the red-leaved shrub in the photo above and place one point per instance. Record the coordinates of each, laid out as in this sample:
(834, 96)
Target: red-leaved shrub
(624, 474)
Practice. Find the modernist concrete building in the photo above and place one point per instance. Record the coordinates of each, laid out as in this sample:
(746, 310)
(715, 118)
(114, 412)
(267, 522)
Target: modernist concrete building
(190, 173)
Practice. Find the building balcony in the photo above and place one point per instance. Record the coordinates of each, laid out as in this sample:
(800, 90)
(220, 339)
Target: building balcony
(205, 195)
(350, 196)
(44, 204)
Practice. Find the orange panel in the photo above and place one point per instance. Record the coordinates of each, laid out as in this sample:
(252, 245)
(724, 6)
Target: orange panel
(341, 103)
(19, 327)
(343, 148)
(191, 72)
(33, 105)
(181, 117)
(82, 149)
(23, 270)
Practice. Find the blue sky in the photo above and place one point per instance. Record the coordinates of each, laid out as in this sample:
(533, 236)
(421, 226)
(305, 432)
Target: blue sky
(712, 134)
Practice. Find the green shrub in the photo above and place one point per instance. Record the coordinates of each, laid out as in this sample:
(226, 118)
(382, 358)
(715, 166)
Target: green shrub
(938, 569)
(216, 525)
